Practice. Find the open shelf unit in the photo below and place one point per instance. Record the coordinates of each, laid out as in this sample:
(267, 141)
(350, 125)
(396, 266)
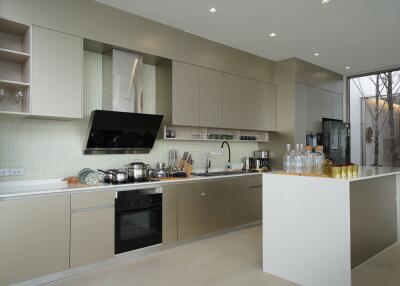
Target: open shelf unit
(15, 67)
(189, 133)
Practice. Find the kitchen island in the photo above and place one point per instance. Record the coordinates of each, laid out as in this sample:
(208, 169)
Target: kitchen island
(316, 229)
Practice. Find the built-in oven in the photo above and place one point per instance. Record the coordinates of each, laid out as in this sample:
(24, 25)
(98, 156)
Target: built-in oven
(138, 219)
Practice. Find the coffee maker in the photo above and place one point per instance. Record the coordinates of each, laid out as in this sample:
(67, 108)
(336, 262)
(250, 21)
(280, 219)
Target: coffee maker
(261, 161)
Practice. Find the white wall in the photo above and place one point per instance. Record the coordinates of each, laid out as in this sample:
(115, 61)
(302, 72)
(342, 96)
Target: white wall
(53, 149)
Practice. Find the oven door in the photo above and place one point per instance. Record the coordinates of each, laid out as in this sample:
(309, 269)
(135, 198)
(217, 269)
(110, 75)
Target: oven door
(138, 228)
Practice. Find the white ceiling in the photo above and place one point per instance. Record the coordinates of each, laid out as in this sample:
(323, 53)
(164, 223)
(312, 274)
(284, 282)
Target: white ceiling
(362, 34)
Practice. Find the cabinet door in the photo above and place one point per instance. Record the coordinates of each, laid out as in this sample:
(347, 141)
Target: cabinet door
(56, 74)
(337, 106)
(210, 98)
(301, 113)
(240, 201)
(35, 237)
(218, 205)
(185, 94)
(92, 235)
(327, 104)
(234, 91)
(314, 110)
(255, 191)
(260, 106)
(170, 214)
(192, 217)
(255, 203)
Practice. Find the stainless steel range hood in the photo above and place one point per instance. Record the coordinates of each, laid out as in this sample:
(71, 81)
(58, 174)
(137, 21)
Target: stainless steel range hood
(121, 127)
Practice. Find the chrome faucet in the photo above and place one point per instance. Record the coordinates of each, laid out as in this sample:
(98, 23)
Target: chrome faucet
(221, 153)
(229, 150)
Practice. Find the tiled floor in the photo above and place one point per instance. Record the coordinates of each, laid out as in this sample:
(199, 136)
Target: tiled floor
(231, 259)
(381, 270)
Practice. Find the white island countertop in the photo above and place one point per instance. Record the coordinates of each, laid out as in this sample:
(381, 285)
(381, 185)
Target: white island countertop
(364, 173)
(317, 229)
(369, 172)
(17, 189)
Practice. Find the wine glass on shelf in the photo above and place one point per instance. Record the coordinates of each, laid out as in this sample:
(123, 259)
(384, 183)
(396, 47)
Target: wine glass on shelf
(3, 94)
(19, 97)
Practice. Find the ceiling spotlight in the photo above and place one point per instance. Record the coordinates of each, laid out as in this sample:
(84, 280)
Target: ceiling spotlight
(272, 35)
(325, 1)
(213, 10)
(316, 54)
(347, 68)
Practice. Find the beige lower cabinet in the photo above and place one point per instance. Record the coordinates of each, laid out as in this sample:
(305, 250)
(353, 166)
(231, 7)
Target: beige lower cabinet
(192, 204)
(170, 214)
(34, 238)
(255, 203)
(240, 200)
(92, 227)
(211, 206)
(218, 205)
(255, 194)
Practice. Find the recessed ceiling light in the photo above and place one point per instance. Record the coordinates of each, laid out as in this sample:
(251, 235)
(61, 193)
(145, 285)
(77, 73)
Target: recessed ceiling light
(347, 68)
(316, 54)
(272, 35)
(213, 10)
(325, 1)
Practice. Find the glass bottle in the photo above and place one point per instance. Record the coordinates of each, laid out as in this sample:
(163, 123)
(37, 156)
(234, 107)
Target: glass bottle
(298, 159)
(287, 159)
(319, 160)
(309, 160)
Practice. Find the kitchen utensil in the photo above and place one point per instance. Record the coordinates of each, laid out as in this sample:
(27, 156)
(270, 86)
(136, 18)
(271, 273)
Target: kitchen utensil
(161, 173)
(264, 154)
(246, 163)
(170, 133)
(182, 161)
(137, 171)
(160, 166)
(172, 158)
(178, 174)
(88, 176)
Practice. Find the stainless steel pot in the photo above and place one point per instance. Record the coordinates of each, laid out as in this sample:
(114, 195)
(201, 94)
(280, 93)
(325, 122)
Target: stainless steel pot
(114, 176)
(137, 171)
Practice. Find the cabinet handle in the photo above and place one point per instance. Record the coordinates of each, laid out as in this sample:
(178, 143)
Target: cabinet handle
(203, 194)
(256, 187)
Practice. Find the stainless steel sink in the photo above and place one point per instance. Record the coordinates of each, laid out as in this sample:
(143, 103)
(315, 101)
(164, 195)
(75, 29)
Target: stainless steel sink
(222, 173)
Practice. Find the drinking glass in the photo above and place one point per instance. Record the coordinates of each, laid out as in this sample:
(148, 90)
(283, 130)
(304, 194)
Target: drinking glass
(19, 97)
(3, 94)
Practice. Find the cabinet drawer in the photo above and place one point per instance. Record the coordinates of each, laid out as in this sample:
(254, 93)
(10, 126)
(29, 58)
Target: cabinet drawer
(92, 200)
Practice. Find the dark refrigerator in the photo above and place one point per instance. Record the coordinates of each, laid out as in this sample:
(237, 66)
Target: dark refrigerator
(336, 140)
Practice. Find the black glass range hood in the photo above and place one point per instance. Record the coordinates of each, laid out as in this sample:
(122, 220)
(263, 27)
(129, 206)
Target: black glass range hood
(113, 132)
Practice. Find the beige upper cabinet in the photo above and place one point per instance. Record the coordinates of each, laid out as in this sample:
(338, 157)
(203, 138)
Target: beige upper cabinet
(337, 112)
(210, 98)
(260, 106)
(56, 74)
(314, 110)
(185, 94)
(234, 90)
(34, 238)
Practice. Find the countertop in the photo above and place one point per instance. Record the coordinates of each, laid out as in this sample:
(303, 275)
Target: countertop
(364, 173)
(17, 189)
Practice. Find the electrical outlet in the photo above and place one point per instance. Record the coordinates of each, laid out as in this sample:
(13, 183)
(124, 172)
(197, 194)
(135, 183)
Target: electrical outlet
(11, 172)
